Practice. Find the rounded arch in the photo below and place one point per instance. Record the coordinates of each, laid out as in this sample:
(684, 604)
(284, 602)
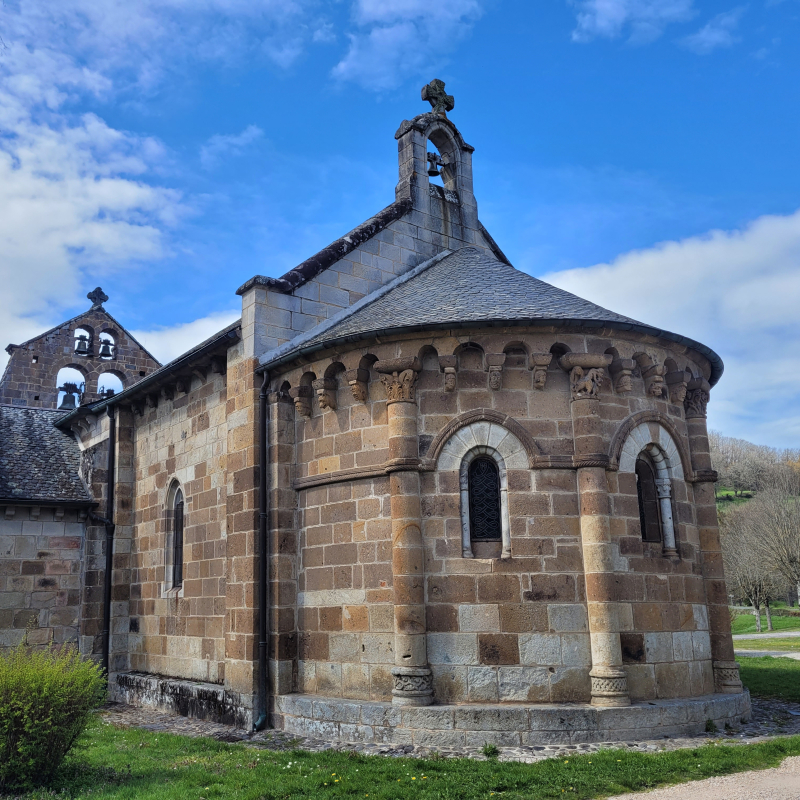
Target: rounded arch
(82, 340)
(502, 424)
(647, 428)
(110, 380)
(175, 505)
(471, 356)
(333, 369)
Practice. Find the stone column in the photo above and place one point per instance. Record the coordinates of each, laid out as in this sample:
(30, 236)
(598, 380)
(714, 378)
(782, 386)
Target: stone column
(608, 676)
(413, 682)
(726, 670)
(664, 491)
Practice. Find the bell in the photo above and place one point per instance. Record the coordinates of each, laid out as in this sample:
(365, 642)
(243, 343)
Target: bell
(82, 345)
(433, 165)
(68, 402)
(105, 349)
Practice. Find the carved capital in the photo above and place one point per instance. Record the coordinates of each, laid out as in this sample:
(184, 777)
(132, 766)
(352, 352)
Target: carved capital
(676, 382)
(621, 370)
(654, 380)
(539, 362)
(609, 686)
(399, 376)
(413, 686)
(698, 393)
(301, 396)
(664, 487)
(358, 381)
(726, 677)
(326, 393)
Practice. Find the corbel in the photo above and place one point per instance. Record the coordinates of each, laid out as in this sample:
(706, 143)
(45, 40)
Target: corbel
(326, 393)
(58, 514)
(218, 365)
(677, 383)
(654, 380)
(447, 364)
(168, 392)
(586, 373)
(358, 381)
(35, 511)
(10, 512)
(494, 364)
(538, 363)
(621, 370)
(301, 396)
(200, 372)
(82, 515)
(183, 384)
(151, 400)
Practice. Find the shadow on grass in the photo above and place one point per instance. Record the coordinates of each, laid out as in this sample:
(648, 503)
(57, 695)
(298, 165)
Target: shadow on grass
(771, 677)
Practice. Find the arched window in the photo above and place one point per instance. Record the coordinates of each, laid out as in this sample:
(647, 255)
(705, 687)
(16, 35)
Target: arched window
(649, 515)
(484, 500)
(177, 539)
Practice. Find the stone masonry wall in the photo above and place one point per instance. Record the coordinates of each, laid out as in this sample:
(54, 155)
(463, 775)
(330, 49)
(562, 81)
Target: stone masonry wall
(179, 632)
(498, 630)
(41, 553)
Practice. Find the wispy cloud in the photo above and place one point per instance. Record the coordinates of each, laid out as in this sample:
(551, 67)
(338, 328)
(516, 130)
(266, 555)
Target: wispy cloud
(641, 21)
(736, 291)
(717, 32)
(220, 145)
(393, 40)
(168, 342)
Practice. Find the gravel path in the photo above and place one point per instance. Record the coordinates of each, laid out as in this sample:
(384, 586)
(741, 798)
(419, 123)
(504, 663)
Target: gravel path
(773, 635)
(780, 783)
(774, 653)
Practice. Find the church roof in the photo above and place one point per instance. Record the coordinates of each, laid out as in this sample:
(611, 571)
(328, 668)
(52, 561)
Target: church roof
(38, 462)
(461, 289)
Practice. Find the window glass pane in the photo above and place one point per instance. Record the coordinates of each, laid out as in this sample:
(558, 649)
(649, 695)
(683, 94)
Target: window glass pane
(177, 570)
(484, 500)
(649, 515)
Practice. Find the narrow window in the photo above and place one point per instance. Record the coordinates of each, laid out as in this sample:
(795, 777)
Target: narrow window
(649, 516)
(177, 540)
(484, 500)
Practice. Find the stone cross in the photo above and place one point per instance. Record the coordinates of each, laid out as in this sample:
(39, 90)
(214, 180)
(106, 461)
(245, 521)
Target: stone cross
(434, 93)
(98, 297)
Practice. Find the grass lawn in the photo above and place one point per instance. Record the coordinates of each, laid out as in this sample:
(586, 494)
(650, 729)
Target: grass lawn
(746, 623)
(135, 764)
(790, 645)
(726, 498)
(771, 677)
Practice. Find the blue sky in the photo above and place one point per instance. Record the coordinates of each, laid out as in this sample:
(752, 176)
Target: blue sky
(641, 153)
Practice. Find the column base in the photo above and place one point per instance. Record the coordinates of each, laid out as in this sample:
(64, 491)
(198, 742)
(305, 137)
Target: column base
(726, 677)
(609, 687)
(413, 686)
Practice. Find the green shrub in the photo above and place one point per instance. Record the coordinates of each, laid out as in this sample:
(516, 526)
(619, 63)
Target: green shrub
(46, 699)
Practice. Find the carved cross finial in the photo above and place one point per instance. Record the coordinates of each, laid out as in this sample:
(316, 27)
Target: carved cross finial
(98, 297)
(440, 102)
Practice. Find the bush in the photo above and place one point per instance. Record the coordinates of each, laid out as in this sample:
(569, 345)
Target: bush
(46, 699)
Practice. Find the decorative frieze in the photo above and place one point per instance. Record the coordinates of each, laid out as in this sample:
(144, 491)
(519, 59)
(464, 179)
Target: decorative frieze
(726, 677)
(413, 686)
(301, 396)
(494, 363)
(698, 393)
(358, 381)
(325, 389)
(621, 370)
(539, 362)
(399, 376)
(447, 364)
(676, 383)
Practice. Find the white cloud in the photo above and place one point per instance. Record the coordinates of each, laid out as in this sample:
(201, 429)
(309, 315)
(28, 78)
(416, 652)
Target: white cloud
(167, 343)
(641, 20)
(718, 32)
(219, 146)
(394, 40)
(735, 291)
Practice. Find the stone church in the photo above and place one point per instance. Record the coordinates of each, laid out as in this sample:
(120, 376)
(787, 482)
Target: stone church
(413, 495)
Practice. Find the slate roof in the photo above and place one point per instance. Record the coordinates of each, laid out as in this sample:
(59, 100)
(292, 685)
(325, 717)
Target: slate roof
(465, 287)
(38, 462)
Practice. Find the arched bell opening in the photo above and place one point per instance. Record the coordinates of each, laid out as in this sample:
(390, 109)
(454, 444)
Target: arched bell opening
(71, 386)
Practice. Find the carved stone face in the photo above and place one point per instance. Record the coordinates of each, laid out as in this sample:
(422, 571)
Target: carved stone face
(656, 388)
(678, 393)
(359, 390)
(495, 379)
(449, 381)
(539, 377)
(624, 383)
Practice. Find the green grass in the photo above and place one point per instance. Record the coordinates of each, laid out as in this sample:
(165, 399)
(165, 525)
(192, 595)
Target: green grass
(789, 645)
(766, 676)
(746, 623)
(726, 498)
(141, 765)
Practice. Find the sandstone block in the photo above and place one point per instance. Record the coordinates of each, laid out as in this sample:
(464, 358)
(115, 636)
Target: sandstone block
(479, 618)
(567, 618)
(540, 649)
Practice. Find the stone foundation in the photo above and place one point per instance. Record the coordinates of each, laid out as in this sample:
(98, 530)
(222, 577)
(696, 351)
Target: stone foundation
(505, 725)
(188, 698)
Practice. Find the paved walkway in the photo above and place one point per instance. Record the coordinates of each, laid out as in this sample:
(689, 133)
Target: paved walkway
(774, 653)
(767, 635)
(781, 783)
